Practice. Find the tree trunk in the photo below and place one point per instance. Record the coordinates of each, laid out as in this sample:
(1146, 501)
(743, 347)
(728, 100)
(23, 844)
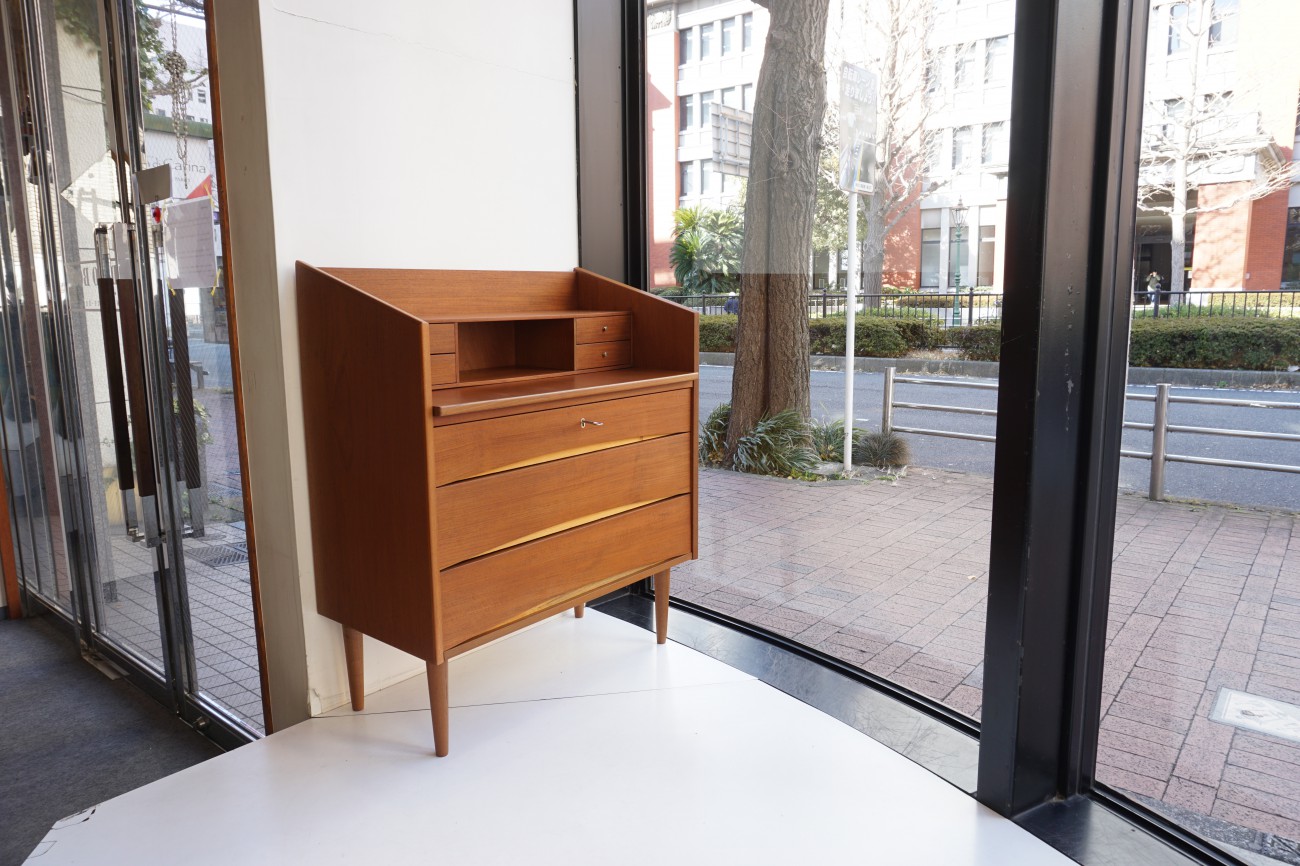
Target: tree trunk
(772, 366)
(1178, 232)
(873, 248)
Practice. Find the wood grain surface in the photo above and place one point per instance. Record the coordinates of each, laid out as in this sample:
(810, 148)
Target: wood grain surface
(434, 295)
(506, 587)
(510, 442)
(366, 403)
(490, 512)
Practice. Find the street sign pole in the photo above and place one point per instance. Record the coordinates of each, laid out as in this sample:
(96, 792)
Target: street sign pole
(850, 316)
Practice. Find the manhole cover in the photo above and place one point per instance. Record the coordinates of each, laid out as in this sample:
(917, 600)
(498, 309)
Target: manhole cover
(225, 554)
(1256, 713)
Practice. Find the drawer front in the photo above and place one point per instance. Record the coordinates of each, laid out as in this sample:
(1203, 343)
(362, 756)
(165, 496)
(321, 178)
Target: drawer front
(602, 329)
(481, 447)
(442, 369)
(492, 512)
(496, 590)
(442, 339)
(593, 356)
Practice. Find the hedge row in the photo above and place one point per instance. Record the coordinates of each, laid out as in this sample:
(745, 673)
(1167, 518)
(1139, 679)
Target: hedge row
(876, 337)
(1206, 344)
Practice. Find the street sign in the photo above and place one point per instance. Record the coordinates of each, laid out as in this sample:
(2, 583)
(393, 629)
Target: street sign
(859, 89)
(733, 131)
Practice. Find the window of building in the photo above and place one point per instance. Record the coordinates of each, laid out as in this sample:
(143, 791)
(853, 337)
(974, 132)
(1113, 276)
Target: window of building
(930, 243)
(1178, 39)
(202, 96)
(731, 97)
(1223, 22)
(687, 110)
(689, 180)
(706, 108)
(988, 247)
(1291, 251)
(962, 154)
(747, 97)
(997, 60)
(964, 71)
(706, 41)
(728, 36)
(708, 179)
(995, 144)
(747, 31)
(1175, 116)
(686, 45)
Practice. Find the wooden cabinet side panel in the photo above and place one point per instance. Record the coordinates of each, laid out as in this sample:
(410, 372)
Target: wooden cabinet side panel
(366, 405)
(665, 336)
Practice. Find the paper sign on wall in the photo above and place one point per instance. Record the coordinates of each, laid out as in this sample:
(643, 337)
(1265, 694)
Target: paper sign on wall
(189, 244)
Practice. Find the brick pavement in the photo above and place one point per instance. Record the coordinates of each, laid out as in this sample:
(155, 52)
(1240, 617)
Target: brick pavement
(892, 577)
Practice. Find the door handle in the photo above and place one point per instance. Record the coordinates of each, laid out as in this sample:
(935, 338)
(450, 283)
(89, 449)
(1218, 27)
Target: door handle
(116, 385)
(146, 473)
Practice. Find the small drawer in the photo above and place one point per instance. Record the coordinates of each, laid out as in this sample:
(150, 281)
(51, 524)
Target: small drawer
(480, 447)
(593, 356)
(442, 369)
(442, 339)
(602, 329)
(492, 512)
(496, 590)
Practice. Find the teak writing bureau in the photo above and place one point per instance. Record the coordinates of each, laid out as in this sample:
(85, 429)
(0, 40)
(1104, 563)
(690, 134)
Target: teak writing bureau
(488, 448)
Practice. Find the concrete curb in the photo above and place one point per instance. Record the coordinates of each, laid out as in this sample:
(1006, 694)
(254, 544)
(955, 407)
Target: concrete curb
(1239, 379)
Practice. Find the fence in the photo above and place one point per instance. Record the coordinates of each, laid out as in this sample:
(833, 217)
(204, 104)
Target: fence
(1160, 428)
(969, 307)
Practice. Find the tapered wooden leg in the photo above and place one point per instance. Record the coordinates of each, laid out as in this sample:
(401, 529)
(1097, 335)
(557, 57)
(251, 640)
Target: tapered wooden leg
(662, 581)
(356, 667)
(438, 701)
(578, 610)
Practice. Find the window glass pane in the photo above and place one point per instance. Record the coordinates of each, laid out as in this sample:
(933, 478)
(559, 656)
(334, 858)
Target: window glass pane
(1201, 691)
(995, 144)
(997, 61)
(687, 112)
(901, 610)
(687, 42)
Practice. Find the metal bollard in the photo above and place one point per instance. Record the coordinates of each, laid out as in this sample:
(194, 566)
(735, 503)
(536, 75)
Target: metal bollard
(887, 402)
(1159, 433)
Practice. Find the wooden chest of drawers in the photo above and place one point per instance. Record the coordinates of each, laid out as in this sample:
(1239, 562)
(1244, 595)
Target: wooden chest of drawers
(486, 449)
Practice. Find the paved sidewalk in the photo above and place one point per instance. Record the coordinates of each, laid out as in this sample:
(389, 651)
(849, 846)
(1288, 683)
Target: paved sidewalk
(892, 577)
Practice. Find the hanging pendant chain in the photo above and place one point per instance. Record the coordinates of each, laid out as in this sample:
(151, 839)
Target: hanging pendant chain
(179, 89)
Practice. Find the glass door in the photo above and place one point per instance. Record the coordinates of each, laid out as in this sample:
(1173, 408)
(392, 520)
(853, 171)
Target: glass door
(117, 365)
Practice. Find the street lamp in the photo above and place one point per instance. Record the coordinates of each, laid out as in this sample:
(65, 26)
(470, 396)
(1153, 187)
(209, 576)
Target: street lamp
(957, 215)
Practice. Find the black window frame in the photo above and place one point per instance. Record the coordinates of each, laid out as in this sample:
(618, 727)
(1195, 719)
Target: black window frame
(1077, 71)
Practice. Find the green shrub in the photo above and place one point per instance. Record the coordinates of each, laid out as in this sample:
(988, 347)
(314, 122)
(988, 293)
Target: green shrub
(778, 444)
(917, 333)
(713, 435)
(1214, 343)
(977, 342)
(941, 300)
(718, 333)
(880, 449)
(828, 440)
(873, 337)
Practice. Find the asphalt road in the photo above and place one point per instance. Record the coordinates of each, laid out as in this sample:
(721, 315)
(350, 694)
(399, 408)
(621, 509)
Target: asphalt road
(1182, 480)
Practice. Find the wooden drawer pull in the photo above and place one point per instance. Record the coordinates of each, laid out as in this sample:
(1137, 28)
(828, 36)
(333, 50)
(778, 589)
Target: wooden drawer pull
(584, 423)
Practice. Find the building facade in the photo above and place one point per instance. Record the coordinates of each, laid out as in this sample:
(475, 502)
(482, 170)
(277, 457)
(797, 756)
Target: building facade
(700, 53)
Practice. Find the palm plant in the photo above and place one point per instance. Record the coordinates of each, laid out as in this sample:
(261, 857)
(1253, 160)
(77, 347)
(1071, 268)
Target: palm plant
(705, 254)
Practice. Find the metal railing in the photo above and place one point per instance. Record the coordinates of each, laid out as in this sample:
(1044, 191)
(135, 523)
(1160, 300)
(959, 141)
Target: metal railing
(970, 307)
(1160, 428)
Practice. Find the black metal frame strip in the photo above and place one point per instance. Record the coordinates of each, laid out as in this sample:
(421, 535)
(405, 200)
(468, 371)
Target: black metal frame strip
(635, 256)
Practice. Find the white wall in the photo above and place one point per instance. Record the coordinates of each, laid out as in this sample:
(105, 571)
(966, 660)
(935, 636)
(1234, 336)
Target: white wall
(399, 133)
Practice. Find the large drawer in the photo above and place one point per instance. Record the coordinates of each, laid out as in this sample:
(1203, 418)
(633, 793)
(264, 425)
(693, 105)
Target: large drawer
(488, 513)
(497, 590)
(481, 447)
